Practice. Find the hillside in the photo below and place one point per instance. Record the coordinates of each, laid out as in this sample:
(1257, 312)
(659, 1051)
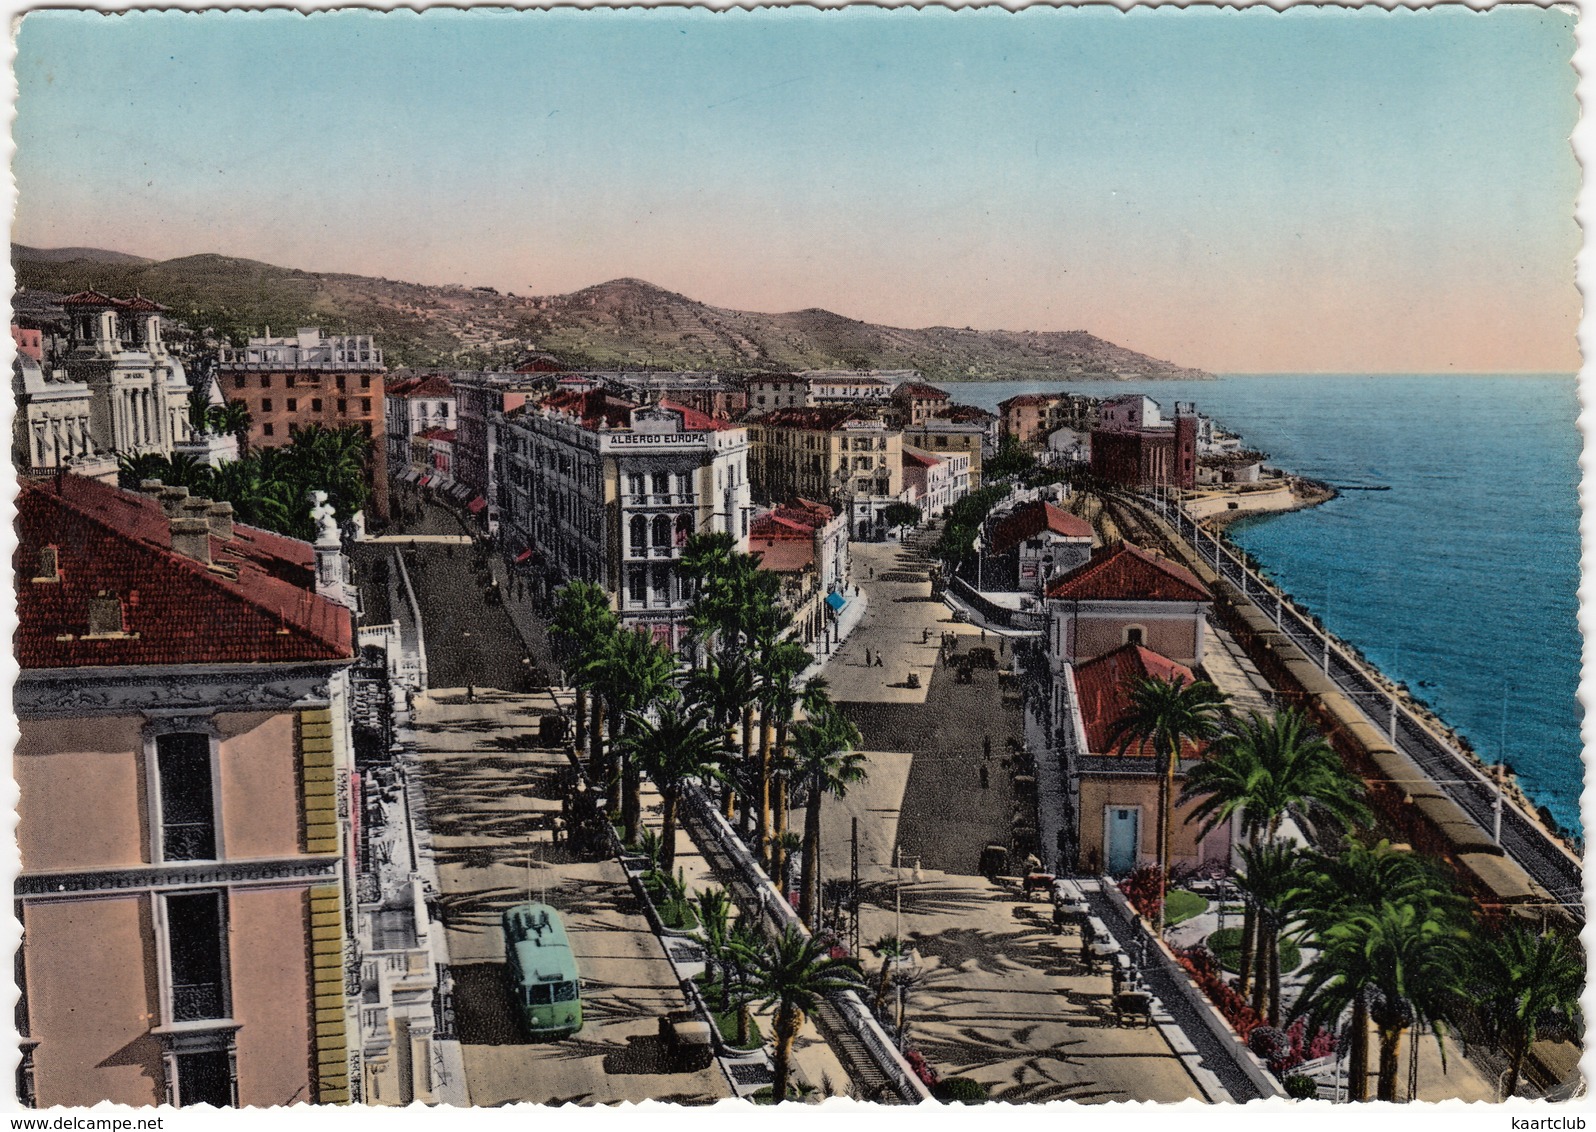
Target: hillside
(625, 322)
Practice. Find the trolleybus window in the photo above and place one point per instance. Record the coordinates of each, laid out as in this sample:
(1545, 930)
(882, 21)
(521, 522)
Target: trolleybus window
(537, 994)
(564, 992)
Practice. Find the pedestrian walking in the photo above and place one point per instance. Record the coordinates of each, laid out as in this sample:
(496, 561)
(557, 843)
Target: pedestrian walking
(878, 661)
(986, 746)
(867, 658)
(925, 636)
(985, 779)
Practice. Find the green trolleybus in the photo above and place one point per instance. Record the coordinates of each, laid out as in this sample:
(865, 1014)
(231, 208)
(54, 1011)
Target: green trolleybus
(544, 982)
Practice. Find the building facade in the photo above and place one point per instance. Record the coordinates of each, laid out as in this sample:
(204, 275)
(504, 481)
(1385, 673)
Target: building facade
(1030, 417)
(935, 481)
(480, 398)
(312, 378)
(840, 456)
(183, 768)
(1124, 615)
(941, 437)
(604, 490)
(917, 402)
(117, 391)
(1031, 545)
(1134, 445)
(413, 405)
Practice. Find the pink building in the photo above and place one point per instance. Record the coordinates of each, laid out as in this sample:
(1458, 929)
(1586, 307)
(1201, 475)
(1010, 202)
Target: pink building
(184, 769)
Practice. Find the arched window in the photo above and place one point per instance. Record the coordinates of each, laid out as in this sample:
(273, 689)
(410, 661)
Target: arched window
(639, 533)
(1135, 635)
(684, 529)
(662, 530)
(662, 483)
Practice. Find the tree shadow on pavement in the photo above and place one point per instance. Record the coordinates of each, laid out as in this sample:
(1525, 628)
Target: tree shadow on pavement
(992, 953)
(483, 1015)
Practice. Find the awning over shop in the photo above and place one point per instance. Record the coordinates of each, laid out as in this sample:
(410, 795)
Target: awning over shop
(411, 476)
(836, 601)
(424, 481)
(524, 556)
(476, 505)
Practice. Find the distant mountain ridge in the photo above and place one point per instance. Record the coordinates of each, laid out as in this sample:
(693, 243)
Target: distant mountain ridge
(618, 324)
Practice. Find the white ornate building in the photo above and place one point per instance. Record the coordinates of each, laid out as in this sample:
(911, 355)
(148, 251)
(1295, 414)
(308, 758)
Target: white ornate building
(117, 391)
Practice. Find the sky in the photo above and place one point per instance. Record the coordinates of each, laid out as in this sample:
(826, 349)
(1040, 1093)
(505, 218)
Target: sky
(1332, 191)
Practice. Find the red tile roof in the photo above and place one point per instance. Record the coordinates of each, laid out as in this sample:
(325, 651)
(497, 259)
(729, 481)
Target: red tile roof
(921, 391)
(1103, 687)
(446, 435)
(963, 413)
(91, 298)
(592, 407)
(262, 608)
(774, 526)
(695, 421)
(919, 458)
(430, 385)
(783, 556)
(823, 418)
(1030, 520)
(1125, 572)
(1026, 399)
(819, 513)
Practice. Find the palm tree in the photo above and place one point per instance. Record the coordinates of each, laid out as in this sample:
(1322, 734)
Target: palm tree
(778, 664)
(1271, 886)
(1264, 769)
(828, 764)
(714, 918)
(792, 975)
(811, 698)
(1520, 981)
(891, 949)
(633, 674)
(134, 470)
(726, 687)
(1358, 878)
(232, 418)
(1405, 959)
(1167, 715)
(677, 748)
(582, 621)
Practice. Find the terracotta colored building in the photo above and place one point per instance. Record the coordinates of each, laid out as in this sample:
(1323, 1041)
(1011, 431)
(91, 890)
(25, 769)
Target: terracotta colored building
(183, 770)
(332, 380)
(1030, 417)
(918, 402)
(1127, 614)
(1032, 544)
(1135, 446)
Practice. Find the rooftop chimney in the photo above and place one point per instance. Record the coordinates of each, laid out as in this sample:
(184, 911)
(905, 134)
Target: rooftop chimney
(220, 518)
(172, 499)
(192, 539)
(195, 507)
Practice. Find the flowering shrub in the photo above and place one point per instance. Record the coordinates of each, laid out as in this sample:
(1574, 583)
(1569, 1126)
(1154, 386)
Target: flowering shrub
(920, 1067)
(1205, 972)
(1270, 1044)
(1303, 1048)
(1141, 888)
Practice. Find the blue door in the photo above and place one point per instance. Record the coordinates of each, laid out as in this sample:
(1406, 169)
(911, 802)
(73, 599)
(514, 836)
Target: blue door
(1120, 839)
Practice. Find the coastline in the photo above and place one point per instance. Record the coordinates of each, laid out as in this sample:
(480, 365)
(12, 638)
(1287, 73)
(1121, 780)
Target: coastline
(1223, 508)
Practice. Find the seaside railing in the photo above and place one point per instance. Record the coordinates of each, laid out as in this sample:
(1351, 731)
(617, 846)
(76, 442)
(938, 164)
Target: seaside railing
(1301, 626)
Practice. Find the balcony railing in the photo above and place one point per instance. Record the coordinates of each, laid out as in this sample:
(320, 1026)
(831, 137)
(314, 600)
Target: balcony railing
(196, 1002)
(188, 841)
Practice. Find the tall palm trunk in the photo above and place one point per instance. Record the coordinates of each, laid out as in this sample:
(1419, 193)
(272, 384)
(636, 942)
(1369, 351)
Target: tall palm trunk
(581, 719)
(1274, 977)
(1260, 966)
(1515, 1067)
(667, 854)
(1166, 788)
(787, 1022)
(631, 799)
(745, 731)
(612, 755)
(1358, 1059)
(1249, 932)
(1390, 1050)
(728, 800)
(595, 739)
(762, 835)
(809, 887)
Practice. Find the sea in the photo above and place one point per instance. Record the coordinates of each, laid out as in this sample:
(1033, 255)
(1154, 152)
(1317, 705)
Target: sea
(1459, 578)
